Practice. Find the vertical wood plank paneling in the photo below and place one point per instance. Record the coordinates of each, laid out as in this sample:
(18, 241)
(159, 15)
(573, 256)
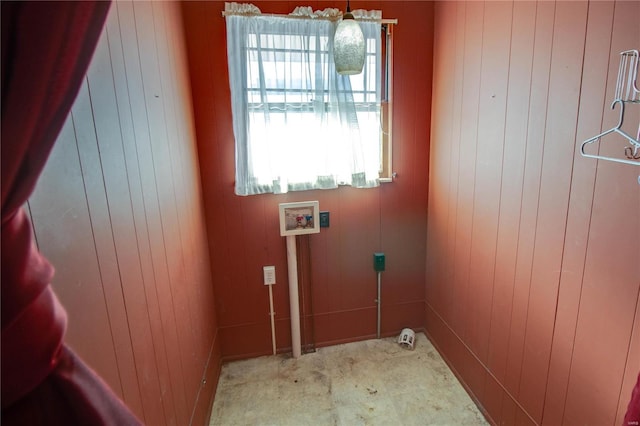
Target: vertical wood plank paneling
(474, 25)
(145, 204)
(167, 19)
(597, 48)
(492, 111)
(607, 305)
(358, 289)
(438, 213)
(184, 201)
(611, 275)
(128, 245)
(458, 73)
(508, 411)
(105, 158)
(193, 174)
(140, 305)
(446, 110)
(559, 136)
(473, 15)
(423, 24)
(321, 270)
(531, 188)
(163, 236)
(565, 289)
(94, 185)
(452, 91)
(203, 38)
(488, 171)
(189, 204)
(515, 134)
(62, 225)
(174, 244)
(399, 219)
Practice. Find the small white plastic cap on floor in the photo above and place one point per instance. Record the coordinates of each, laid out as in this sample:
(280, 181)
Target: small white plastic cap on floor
(406, 338)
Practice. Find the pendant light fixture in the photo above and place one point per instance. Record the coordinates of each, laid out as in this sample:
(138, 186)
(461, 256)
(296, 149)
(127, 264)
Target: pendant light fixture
(348, 45)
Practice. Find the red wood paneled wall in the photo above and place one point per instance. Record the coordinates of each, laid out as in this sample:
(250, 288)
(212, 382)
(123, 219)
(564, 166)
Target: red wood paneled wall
(118, 211)
(533, 251)
(244, 231)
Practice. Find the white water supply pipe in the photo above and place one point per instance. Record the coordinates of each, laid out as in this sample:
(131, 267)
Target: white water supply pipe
(294, 308)
(272, 314)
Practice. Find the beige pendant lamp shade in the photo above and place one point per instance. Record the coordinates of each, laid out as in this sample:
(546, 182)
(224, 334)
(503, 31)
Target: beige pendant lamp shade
(348, 46)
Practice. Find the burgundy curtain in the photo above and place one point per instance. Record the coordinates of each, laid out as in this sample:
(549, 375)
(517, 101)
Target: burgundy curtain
(632, 418)
(46, 49)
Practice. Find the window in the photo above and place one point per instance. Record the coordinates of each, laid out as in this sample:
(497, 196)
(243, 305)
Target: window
(298, 124)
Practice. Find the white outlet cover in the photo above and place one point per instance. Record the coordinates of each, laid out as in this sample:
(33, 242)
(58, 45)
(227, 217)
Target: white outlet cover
(269, 275)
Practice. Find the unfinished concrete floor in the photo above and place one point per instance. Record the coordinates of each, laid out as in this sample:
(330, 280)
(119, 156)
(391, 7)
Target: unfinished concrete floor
(373, 382)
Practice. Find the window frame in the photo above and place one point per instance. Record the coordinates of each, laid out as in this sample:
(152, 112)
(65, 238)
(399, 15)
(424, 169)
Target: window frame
(386, 106)
(382, 148)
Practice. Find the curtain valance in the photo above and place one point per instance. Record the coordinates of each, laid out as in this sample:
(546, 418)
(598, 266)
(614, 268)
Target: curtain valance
(304, 12)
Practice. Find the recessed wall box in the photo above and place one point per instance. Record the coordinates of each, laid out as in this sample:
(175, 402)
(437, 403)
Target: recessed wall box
(324, 219)
(378, 262)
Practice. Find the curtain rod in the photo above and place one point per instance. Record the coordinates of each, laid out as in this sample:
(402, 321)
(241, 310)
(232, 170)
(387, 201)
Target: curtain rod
(382, 21)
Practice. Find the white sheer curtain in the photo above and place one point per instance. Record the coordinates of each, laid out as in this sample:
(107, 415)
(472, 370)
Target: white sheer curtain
(297, 123)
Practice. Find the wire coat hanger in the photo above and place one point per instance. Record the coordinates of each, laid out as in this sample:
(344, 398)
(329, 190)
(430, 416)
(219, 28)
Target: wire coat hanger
(635, 145)
(626, 92)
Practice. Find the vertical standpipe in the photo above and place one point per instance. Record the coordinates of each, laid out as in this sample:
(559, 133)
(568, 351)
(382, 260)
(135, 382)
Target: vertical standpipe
(378, 266)
(378, 303)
